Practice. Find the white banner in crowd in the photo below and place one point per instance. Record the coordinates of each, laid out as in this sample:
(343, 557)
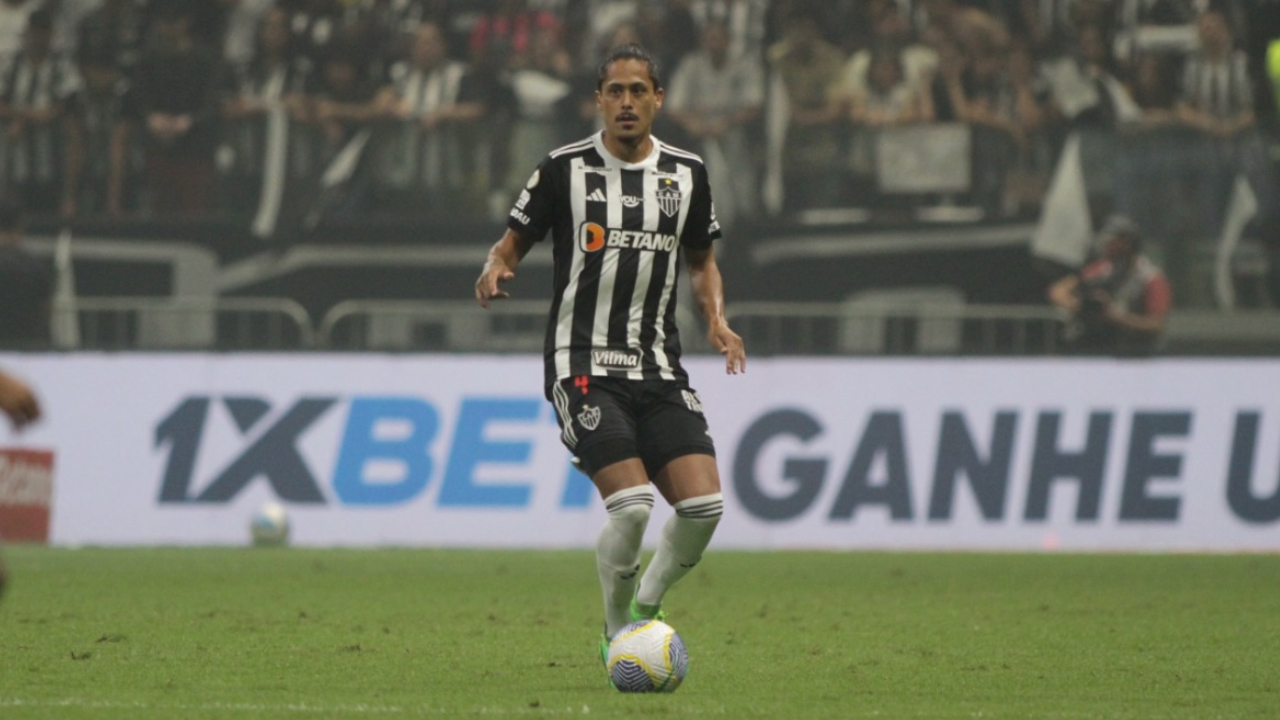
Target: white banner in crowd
(813, 453)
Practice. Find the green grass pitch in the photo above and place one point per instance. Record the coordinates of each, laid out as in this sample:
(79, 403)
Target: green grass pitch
(306, 633)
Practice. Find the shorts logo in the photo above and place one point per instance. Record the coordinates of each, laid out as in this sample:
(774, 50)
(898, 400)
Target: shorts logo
(669, 197)
(589, 418)
(591, 237)
(692, 401)
(616, 359)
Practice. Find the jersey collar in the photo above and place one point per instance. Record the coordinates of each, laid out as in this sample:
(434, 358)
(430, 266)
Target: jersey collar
(610, 160)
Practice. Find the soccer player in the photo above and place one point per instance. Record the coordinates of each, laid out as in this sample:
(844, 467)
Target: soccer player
(19, 403)
(622, 208)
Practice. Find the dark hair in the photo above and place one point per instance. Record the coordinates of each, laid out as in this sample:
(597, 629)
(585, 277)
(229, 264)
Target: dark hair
(629, 52)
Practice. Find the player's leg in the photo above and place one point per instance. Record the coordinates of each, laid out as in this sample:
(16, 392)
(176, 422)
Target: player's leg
(628, 498)
(680, 457)
(598, 427)
(691, 484)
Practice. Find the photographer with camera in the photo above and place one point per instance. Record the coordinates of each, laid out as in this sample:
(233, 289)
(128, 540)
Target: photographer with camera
(1118, 303)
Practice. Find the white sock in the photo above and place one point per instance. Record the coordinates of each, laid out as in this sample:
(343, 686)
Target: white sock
(684, 537)
(618, 552)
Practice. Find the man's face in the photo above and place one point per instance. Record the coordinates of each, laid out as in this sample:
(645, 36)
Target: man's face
(1215, 35)
(627, 100)
(1119, 250)
(428, 47)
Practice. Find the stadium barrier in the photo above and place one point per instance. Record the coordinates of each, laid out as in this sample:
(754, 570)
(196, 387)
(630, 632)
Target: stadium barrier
(436, 450)
(183, 323)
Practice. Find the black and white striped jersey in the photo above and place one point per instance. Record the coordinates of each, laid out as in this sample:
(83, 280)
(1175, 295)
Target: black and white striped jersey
(617, 229)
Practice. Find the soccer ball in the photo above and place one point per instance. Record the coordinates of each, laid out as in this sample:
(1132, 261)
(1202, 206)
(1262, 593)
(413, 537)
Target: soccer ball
(647, 656)
(270, 525)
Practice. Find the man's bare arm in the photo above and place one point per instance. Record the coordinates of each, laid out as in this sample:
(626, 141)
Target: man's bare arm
(500, 267)
(708, 290)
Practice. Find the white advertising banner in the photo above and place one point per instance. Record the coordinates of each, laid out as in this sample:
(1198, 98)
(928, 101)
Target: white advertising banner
(813, 453)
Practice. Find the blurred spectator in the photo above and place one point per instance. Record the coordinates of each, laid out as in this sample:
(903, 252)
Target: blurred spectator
(34, 89)
(669, 30)
(1033, 118)
(717, 98)
(314, 24)
(102, 167)
(1145, 26)
(1217, 99)
(274, 73)
(343, 104)
(975, 29)
(116, 28)
(806, 68)
(261, 147)
(1109, 101)
(13, 22)
(600, 24)
(976, 89)
(1154, 88)
(385, 26)
(501, 41)
(745, 21)
(539, 86)
(891, 32)
(26, 284)
(208, 20)
(175, 93)
(431, 168)
(886, 98)
(504, 38)
(1156, 159)
(241, 36)
(1094, 103)
(1119, 302)
(67, 16)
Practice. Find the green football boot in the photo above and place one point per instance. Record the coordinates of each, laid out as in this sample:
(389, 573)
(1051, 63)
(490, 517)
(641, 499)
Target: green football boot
(646, 612)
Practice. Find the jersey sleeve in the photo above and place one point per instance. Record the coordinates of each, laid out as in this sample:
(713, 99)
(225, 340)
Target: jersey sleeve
(533, 213)
(701, 227)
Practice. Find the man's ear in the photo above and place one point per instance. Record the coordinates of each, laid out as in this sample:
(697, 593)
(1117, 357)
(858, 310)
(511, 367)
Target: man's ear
(658, 96)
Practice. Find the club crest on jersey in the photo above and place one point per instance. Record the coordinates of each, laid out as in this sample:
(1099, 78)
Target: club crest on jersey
(589, 418)
(669, 196)
(608, 359)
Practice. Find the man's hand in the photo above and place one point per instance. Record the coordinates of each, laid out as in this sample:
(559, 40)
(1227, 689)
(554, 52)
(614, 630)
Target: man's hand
(18, 401)
(500, 267)
(487, 286)
(728, 343)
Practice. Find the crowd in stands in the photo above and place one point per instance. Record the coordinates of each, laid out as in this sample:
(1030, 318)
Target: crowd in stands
(293, 113)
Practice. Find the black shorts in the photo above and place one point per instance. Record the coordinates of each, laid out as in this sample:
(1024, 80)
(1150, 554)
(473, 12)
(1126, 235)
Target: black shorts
(605, 420)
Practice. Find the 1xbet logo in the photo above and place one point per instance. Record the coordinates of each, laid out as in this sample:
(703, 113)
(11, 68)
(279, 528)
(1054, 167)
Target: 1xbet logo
(384, 454)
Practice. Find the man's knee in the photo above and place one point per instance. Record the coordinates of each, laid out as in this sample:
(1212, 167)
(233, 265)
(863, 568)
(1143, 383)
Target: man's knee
(688, 476)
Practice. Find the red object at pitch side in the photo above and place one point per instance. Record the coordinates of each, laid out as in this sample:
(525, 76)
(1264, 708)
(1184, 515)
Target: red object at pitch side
(26, 494)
